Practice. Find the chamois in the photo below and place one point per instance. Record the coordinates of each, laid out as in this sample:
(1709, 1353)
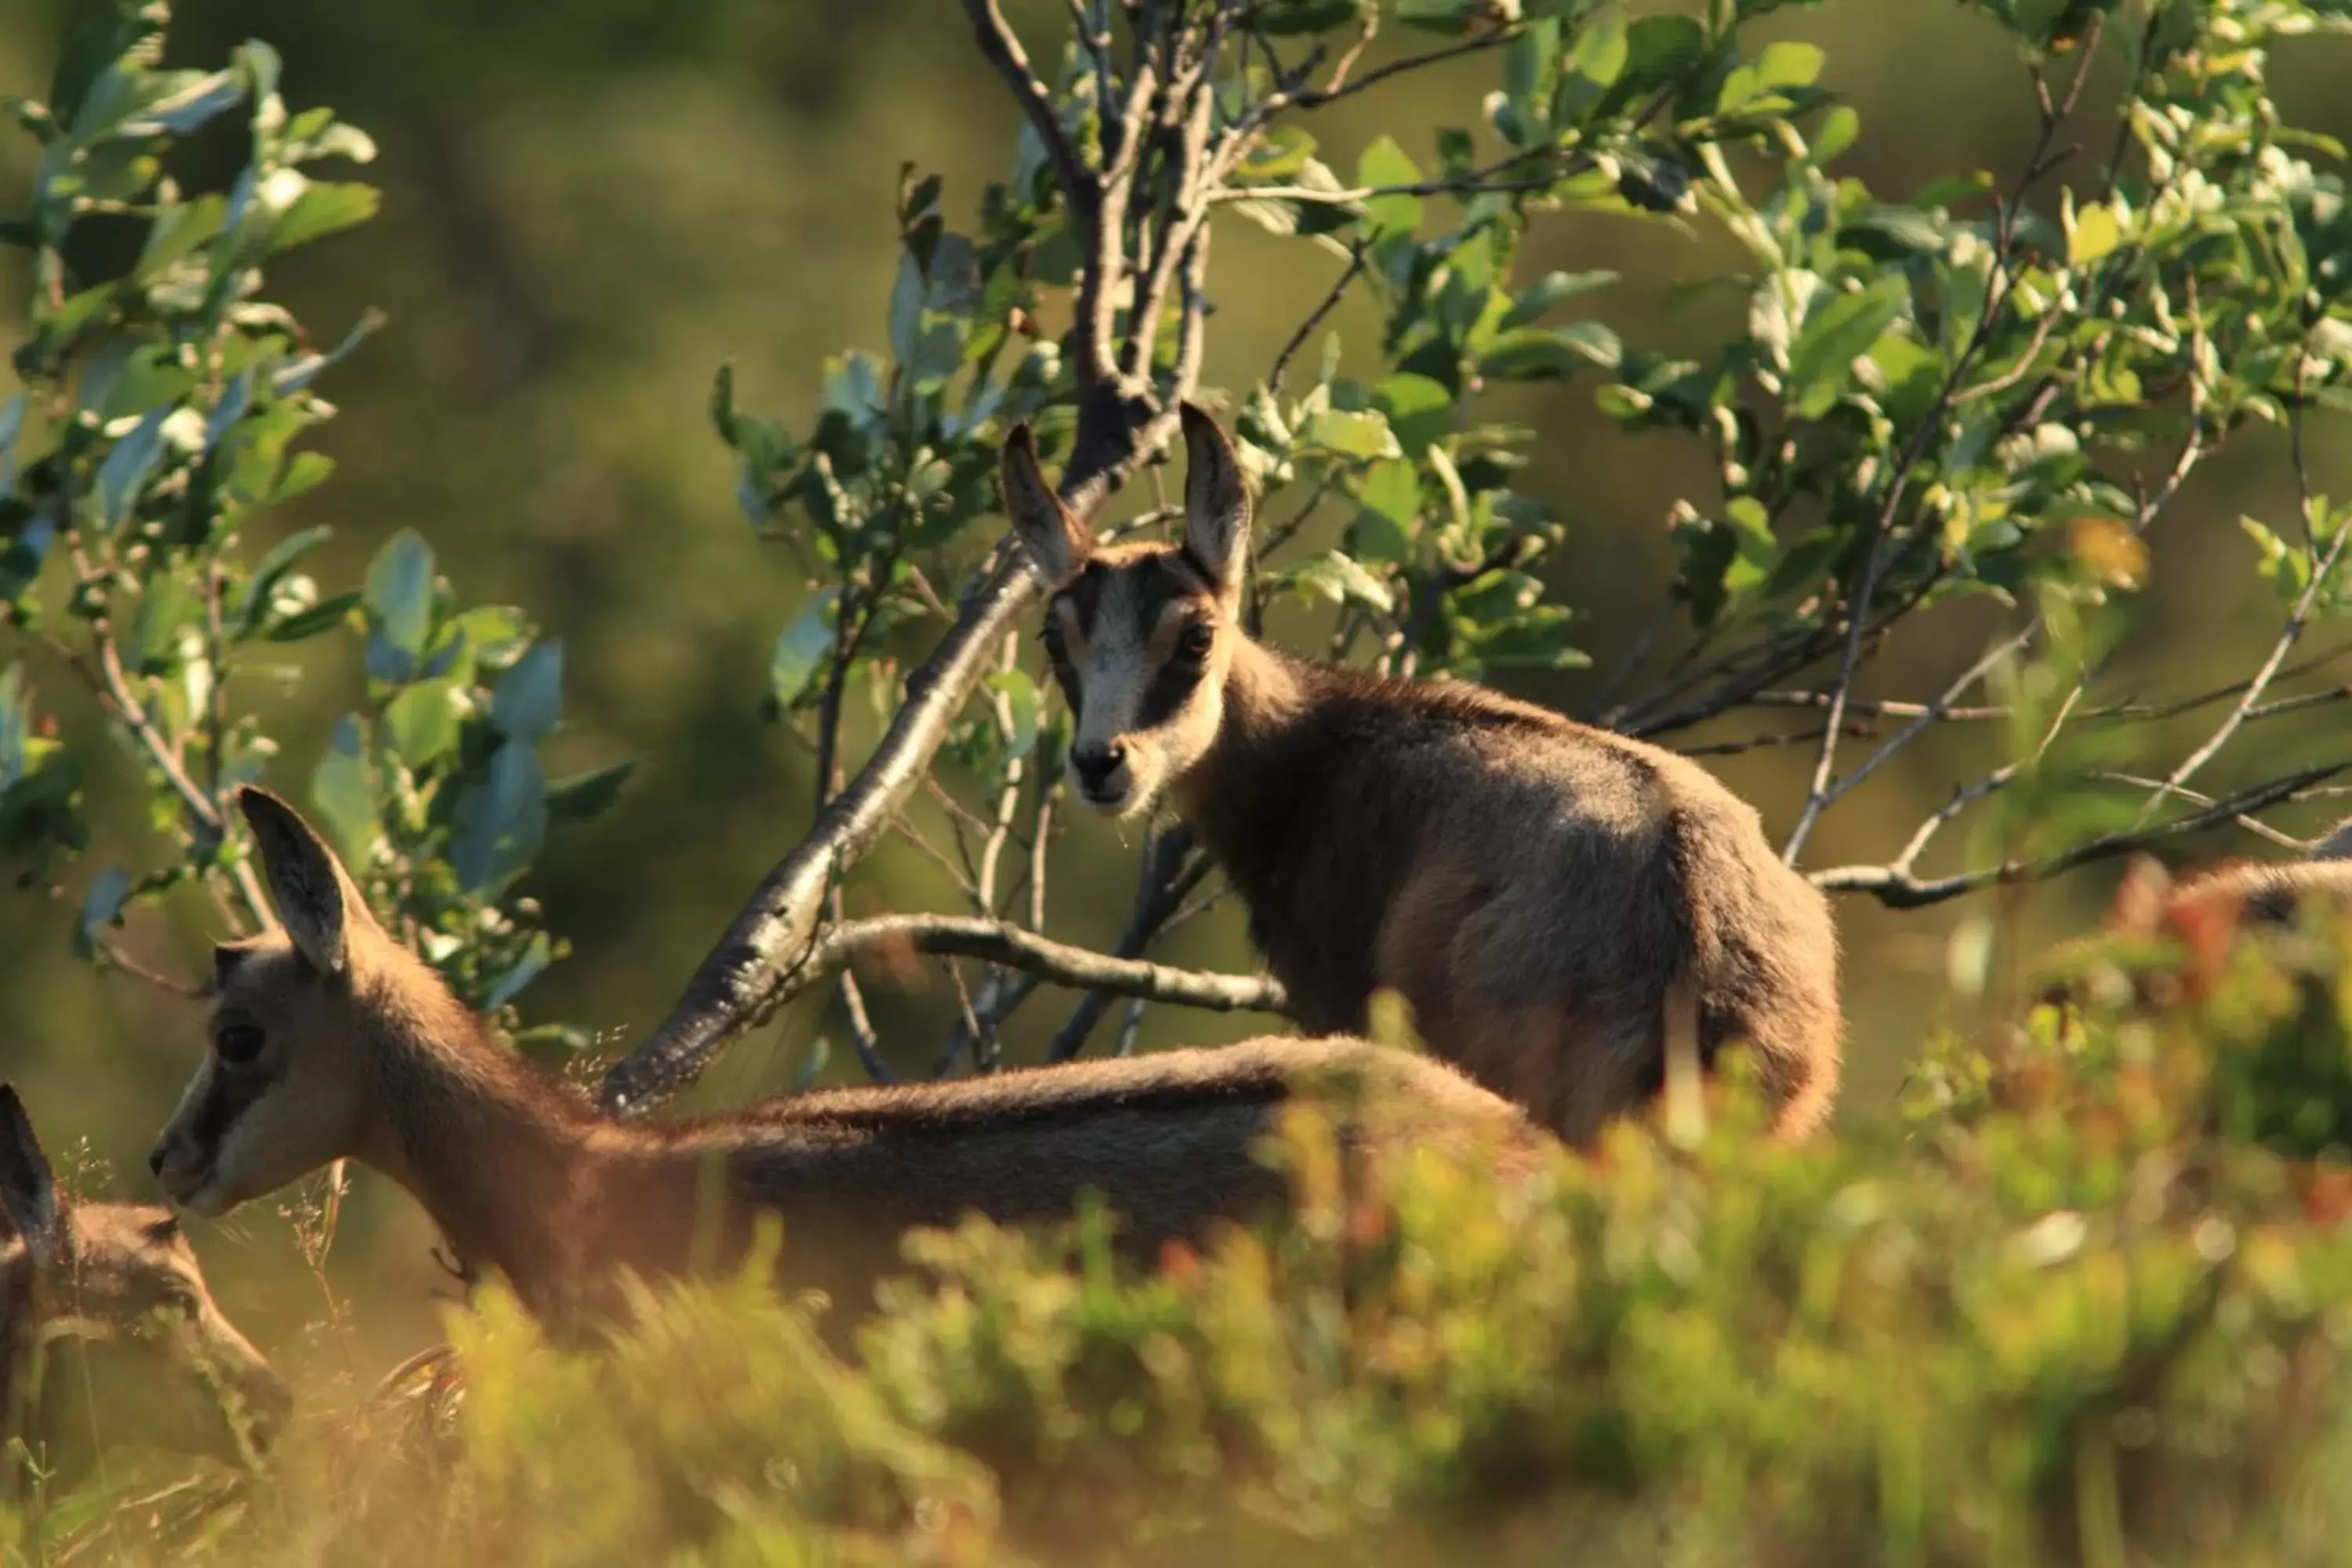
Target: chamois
(330, 1040)
(1533, 887)
(2206, 909)
(108, 1332)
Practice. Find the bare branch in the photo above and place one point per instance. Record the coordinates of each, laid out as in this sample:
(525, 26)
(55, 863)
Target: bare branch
(1004, 51)
(1163, 881)
(2252, 825)
(1055, 962)
(1340, 87)
(2324, 567)
(1901, 890)
(1357, 256)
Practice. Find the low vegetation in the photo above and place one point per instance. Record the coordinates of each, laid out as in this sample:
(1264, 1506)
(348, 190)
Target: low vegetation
(2087, 1304)
(2082, 1301)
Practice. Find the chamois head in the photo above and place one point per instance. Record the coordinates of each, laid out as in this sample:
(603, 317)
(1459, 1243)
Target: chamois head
(284, 1087)
(103, 1309)
(1140, 636)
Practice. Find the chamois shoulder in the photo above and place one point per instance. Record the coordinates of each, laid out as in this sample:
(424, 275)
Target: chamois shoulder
(2268, 889)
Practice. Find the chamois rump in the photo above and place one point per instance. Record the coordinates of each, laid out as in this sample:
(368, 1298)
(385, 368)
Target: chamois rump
(107, 1330)
(1533, 887)
(330, 1039)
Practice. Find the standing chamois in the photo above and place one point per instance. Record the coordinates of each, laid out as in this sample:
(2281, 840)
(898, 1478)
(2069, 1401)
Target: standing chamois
(107, 1332)
(1535, 888)
(331, 1040)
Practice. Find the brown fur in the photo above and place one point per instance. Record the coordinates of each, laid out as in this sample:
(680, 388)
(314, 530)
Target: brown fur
(1532, 886)
(363, 1053)
(107, 1330)
(2205, 912)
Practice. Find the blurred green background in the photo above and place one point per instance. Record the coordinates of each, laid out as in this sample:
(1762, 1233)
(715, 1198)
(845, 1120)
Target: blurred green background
(588, 206)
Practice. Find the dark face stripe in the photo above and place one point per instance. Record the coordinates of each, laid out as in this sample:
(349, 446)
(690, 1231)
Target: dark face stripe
(229, 1096)
(1173, 686)
(1153, 582)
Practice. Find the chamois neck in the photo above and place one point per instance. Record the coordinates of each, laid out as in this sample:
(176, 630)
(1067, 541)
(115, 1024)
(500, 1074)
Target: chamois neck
(1266, 696)
(490, 1148)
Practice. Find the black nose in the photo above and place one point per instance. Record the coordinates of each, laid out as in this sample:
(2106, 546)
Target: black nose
(1095, 764)
(155, 1160)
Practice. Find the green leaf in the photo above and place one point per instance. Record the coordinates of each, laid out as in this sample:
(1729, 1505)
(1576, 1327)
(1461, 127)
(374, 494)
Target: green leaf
(585, 795)
(501, 821)
(801, 649)
(325, 207)
(528, 698)
(1601, 50)
(1385, 163)
(324, 615)
(1839, 128)
(127, 467)
(1337, 577)
(166, 606)
(2091, 232)
(271, 570)
(1364, 435)
(1021, 696)
(527, 968)
(343, 791)
(398, 595)
(1553, 288)
(1450, 16)
(1529, 354)
(100, 906)
(421, 723)
(1659, 52)
(1290, 18)
(1420, 411)
(495, 633)
(1821, 362)
(906, 309)
(1789, 63)
(1391, 501)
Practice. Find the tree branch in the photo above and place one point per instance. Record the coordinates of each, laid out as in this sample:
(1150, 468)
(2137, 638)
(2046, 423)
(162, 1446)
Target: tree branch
(1900, 889)
(1121, 423)
(1055, 962)
(1002, 50)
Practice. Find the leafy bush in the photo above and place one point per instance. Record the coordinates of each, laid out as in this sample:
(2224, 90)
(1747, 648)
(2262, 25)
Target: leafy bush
(2088, 1305)
(2083, 1305)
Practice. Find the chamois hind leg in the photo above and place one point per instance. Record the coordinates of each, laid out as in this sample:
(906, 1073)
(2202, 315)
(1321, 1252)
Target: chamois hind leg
(1570, 1075)
(1804, 1109)
(1609, 1070)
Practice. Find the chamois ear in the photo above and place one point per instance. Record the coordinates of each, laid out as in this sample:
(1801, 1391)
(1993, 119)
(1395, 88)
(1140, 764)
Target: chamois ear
(315, 898)
(28, 1188)
(1057, 541)
(1216, 506)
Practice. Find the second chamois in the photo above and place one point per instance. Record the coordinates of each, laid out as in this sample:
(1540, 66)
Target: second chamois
(331, 1040)
(1536, 889)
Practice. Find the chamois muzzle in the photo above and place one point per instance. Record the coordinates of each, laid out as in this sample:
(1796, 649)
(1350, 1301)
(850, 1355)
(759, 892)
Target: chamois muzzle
(1101, 774)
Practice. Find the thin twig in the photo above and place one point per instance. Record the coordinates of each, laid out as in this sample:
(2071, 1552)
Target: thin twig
(2322, 569)
(1901, 890)
(1357, 256)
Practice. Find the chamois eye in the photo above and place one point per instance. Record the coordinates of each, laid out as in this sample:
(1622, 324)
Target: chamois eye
(1196, 639)
(238, 1044)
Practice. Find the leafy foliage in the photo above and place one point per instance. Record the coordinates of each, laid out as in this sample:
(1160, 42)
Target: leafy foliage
(2083, 1306)
(164, 402)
